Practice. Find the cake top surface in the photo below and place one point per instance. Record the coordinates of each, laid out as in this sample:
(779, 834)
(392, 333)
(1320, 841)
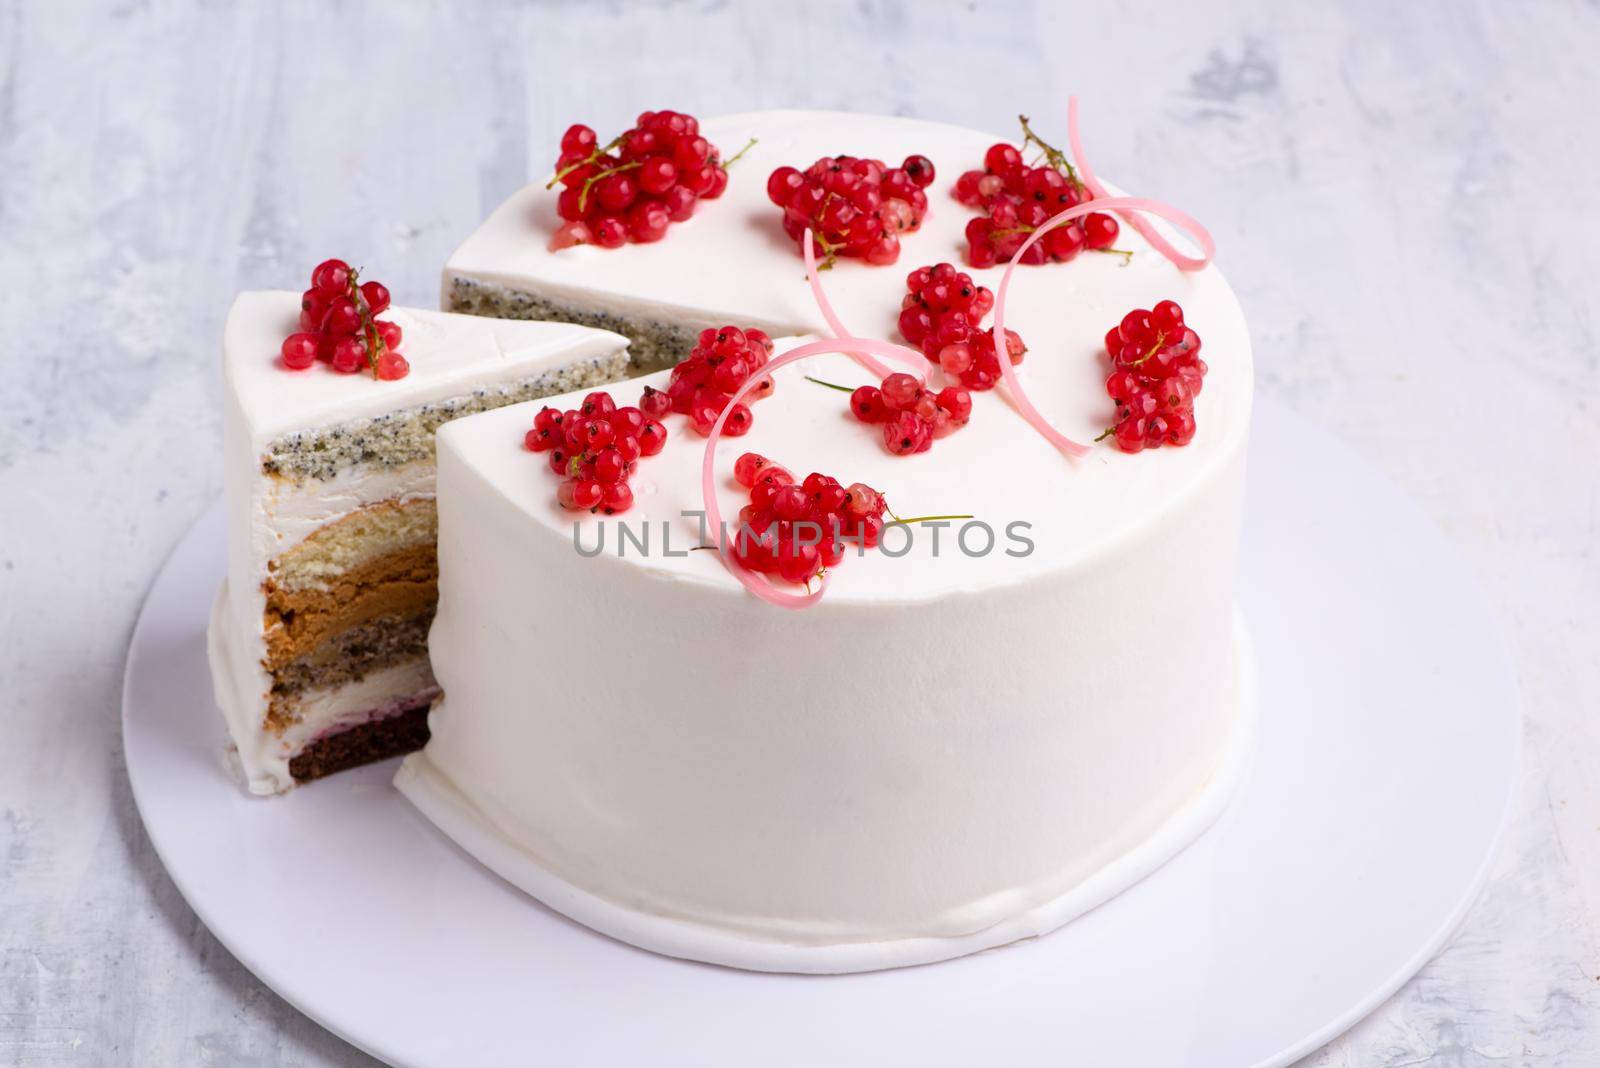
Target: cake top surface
(997, 469)
(731, 262)
(450, 355)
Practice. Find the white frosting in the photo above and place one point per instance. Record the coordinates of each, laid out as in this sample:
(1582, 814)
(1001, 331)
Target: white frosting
(450, 356)
(949, 751)
(434, 795)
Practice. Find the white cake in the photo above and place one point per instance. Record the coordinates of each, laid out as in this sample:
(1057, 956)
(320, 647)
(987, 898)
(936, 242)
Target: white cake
(317, 639)
(947, 752)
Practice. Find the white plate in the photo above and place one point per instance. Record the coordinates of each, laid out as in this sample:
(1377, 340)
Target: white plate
(1385, 761)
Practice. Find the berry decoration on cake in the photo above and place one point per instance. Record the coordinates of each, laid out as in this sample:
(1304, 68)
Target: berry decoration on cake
(942, 313)
(913, 416)
(595, 447)
(637, 185)
(723, 359)
(1017, 197)
(1158, 374)
(855, 207)
(797, 529)
(339, 325)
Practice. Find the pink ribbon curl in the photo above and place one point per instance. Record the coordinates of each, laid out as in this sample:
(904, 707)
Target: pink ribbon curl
(1180, 260)
(757, 584)
(828, 316)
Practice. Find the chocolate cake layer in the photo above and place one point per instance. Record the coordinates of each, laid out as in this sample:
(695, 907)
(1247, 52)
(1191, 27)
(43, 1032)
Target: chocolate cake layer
(369, 742)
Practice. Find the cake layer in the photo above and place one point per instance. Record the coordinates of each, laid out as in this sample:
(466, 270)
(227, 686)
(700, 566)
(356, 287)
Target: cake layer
(395, 584)
(352, 542)
(352, 653)
(403, 732)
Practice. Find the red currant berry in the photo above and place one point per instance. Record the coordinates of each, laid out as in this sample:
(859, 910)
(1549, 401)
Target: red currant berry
(349, 355)
(956, 402)
(1099, 230)
(609, 466)
(343, 317)
(616, 499)
(746, 467)
(571, 233)
(578, 140)
(392, 366)
(610, 231)
(332, 277)
(654, 403)
(299, 351)
(900, 391)
(868, 405)
(376, 295)
(904, 434)
(738, 422)
(389, 333)
(652, 438)
(1002, 160)
(1167, 318)
(919, 169)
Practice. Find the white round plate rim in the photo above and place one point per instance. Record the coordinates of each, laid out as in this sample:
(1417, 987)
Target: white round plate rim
(186, 800)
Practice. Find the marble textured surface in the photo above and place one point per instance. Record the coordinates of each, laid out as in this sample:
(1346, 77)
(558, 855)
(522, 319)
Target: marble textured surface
(1403, 195)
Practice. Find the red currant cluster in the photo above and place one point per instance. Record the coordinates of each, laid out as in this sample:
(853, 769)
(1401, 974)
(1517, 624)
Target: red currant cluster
(1158, 375)
(941, 314)
(635, 187)
(853, 207)
(595, 446)
(1018, 198)
(723, 358)
(912, 415)
(339, 325)
(794, 530)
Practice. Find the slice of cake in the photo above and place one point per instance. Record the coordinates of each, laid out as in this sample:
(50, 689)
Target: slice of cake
(975, 731)
(318, 640)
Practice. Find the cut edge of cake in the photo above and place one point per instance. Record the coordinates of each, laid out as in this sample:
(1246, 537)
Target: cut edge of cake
(318, 639)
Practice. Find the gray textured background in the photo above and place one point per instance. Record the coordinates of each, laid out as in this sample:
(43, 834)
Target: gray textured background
(1403, 195)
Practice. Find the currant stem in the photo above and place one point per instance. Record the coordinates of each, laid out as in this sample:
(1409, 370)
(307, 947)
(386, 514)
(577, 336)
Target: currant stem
(1161, 340)
(1057, 158)
(369, 329)
(748, 145)
(920, 518)
(1106, 433)
(569, 168)
(830, 385)
(1125, 253)
(929, 518)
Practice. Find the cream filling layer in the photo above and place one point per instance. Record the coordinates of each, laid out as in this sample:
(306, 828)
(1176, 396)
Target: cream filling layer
(286, 512)
(325, 711)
